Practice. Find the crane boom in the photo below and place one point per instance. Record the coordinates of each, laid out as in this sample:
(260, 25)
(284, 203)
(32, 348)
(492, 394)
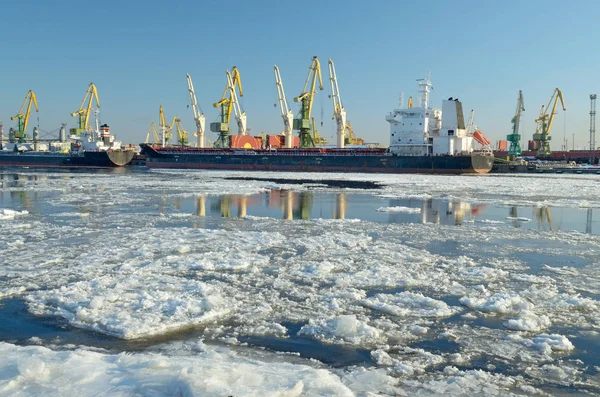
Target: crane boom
(24, 113)
(227, 103)
(515, 138)
(85, 111)
(339, 112)
(286, 113)
(198, 114)
(544, 122)
(303, 123)
(240, 115)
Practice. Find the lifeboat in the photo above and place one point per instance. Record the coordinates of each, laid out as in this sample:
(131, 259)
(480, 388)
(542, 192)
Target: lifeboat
(481, 139)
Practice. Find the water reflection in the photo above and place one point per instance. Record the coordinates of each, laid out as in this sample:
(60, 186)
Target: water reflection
(543, 217)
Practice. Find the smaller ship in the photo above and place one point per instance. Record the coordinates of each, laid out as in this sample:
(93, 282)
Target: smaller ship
(82, 148)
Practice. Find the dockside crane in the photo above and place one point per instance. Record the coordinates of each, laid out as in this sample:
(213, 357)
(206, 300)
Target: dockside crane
(339, 112)
(198, 114)
(229, 102)
(286, 113)
(182, 134)
(23, 117)
(544, 123)
(515, 138)
(85, 111)
(152, 130)
(303, 122)
(165, 129)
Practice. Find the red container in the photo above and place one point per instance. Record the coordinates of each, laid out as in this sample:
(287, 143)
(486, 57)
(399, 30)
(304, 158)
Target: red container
(502, 145)
(531, 146)
(275, 141)
(245, 142)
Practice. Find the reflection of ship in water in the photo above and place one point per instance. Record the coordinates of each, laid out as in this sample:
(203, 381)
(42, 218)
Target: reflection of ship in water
(453, 212)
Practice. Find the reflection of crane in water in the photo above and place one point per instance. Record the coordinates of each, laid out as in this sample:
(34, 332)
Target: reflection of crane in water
(588, 223)
(542, 214)
(340, 206)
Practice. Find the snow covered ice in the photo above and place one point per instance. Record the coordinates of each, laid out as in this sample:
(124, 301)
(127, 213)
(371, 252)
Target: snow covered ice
(424, 286)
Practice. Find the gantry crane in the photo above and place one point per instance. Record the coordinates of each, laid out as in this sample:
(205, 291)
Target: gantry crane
(85, 110)
(544, 123)
(303, 122)
(515, 138)
(286, 113)
(229, 101)
(23, 116)
(339, 112)
(198, 114)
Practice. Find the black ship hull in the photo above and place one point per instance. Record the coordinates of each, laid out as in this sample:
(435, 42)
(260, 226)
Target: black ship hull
(313, 161)
(115, 158)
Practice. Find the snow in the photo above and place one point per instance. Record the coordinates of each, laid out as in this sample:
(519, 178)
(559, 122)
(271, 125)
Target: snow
(346, 328)
(503, 303)
(36, 370)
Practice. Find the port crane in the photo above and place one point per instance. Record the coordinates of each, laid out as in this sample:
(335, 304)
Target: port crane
(544, 123)
(303, 122)
(339, 112)
(316, 136)
(85, 111)
(154, 131)
(23, 116)
(515, 138)
(351, 137)
(165, 129)
(229, 101)
(286, 113)
(182, 134)
(198, 114)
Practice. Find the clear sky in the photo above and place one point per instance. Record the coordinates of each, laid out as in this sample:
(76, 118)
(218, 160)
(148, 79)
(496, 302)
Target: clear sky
(138, 52)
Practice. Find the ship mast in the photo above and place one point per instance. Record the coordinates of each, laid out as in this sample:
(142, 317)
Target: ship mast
(426, 87)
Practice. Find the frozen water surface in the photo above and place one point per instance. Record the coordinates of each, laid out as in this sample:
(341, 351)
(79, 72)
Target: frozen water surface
(425, 285)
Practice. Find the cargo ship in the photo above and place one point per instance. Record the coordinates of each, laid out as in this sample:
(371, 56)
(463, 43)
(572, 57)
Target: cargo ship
(420, 142)
(87, 149)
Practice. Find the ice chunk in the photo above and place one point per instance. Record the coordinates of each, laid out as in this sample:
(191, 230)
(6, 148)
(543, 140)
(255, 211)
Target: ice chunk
(410, 304)
(133, 306)
(36, 370)
(407, 210)
(502, 302)
(528, 321)
(344, 329)
(7, 214)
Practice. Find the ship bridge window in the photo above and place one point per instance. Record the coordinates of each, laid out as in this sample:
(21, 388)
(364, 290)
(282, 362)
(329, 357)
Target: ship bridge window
(450, 132)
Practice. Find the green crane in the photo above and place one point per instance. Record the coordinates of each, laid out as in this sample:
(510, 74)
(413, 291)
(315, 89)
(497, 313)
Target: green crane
(303, 122)
(515, 138)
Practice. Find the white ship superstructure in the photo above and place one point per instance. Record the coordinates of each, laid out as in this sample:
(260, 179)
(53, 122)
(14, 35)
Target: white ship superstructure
(421, 131)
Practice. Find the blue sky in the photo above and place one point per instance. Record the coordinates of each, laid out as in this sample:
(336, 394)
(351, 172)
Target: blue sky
(137, 53)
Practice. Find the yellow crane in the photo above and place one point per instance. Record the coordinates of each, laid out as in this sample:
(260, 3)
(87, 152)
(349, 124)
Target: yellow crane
(303, 122)
(165, 129)
(410, 102)
(85, 110)
(316, 136)
(226, 103)
(23, 116)
(154, 131)
(544, 123)
(351, 137)
(181, 133)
